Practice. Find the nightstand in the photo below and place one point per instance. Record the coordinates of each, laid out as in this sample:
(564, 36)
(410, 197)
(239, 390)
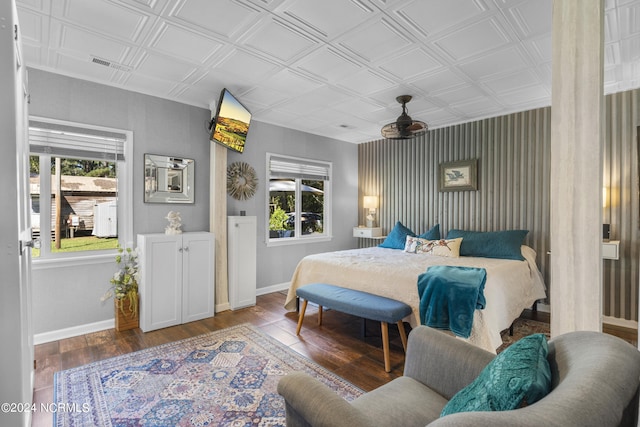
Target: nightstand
(368, 232)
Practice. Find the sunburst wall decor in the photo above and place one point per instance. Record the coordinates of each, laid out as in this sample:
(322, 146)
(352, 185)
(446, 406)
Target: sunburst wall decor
(242, 181)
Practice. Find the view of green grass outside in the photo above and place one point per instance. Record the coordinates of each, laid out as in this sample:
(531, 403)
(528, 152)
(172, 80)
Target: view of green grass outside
(88, 243)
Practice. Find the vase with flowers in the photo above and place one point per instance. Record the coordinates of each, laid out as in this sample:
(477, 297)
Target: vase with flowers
(124, 289)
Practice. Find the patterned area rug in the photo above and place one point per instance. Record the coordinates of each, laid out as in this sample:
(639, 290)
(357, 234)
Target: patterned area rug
(223, 378)
(522, 328)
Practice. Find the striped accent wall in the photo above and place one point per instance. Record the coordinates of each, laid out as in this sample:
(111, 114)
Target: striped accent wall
(513, 153)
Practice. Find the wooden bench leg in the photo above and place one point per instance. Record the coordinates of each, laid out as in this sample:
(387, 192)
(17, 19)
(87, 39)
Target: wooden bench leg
(403, 335)
(301, 316)
(385, 346)
(320, 315)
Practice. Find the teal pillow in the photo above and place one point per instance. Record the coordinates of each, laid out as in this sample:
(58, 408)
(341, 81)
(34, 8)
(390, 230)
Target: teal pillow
(432, 234)
(397, 237)
(491, 244)
(519, 375)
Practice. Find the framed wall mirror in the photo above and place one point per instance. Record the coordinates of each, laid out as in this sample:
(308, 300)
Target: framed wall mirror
(168, 179)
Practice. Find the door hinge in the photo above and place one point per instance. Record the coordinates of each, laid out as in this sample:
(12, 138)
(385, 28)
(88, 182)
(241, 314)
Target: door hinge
(15, 32)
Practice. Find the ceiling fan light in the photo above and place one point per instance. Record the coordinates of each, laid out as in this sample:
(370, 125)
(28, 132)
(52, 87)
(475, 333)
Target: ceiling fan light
(404, 127)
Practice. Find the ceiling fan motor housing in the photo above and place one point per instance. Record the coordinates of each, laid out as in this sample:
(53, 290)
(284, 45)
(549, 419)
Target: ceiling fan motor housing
(404, 126)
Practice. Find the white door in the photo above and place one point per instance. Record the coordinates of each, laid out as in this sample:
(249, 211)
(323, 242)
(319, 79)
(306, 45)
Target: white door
(16, 359)
(26, 241)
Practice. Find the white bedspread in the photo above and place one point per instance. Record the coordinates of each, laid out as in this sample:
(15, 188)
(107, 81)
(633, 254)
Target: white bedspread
(511, 285)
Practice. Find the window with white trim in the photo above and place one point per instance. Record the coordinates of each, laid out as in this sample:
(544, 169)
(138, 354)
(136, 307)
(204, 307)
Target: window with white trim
(299, 199)
(76, 177)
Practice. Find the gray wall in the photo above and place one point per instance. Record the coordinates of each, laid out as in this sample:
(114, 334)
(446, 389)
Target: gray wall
(276, 264)
(159, 127)
(513, 185)
(68, 297)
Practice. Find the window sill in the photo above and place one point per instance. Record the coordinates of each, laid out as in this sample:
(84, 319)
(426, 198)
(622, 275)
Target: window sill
(73, 260)
(287, 241)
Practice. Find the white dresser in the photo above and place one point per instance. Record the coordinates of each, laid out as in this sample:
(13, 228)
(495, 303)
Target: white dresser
(177, 278)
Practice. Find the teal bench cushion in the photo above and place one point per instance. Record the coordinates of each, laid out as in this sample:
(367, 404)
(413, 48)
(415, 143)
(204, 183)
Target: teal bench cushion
(356, 303)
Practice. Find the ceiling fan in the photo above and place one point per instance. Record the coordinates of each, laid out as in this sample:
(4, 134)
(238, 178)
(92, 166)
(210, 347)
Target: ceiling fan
(404, 127)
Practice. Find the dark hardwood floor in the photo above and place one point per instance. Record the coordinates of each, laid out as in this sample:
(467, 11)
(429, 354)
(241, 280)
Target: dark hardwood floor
(338, 345)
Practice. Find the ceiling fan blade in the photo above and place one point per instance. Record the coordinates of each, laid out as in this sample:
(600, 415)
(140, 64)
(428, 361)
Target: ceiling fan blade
(414, 126)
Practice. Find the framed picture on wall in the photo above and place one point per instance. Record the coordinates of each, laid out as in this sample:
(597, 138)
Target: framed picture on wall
(459, 176)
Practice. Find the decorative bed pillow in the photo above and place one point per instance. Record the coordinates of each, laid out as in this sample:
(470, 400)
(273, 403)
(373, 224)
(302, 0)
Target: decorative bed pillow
(440, 247)
(518, 376)
(491, 244)
(432, 234)
(397, 237)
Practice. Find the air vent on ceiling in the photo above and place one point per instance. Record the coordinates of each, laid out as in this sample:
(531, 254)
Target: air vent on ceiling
(110, 64)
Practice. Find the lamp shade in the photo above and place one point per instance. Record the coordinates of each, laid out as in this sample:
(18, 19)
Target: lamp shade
(370, 202)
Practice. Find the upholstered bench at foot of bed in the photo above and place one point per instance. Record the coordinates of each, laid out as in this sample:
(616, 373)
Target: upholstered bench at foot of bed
(357, 303)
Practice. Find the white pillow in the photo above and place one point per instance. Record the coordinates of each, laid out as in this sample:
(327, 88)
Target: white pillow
(442, 247)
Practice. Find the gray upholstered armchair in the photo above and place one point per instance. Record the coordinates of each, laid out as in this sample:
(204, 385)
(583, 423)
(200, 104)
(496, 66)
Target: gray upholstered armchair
(594, 381)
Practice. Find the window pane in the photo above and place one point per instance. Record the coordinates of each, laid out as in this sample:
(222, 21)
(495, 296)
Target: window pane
(84, 210)
(282, 204)
(298, 203)
(34, 200)
(312, 213)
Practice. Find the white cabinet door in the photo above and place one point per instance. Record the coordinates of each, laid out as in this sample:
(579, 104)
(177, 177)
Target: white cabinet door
(241, 258)
(197, 276)
(177, 278)
(161, 281)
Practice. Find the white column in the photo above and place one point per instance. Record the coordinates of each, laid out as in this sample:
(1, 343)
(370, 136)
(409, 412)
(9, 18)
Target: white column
(576, 166)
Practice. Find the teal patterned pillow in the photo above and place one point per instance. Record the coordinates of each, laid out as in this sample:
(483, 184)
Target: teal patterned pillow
(519, 375)
(397, 237)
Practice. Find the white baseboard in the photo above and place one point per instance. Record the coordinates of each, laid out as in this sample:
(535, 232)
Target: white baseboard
(278, 287)
(74, 331)
(259, 291)
(222, 307)
(616, 321)
(609, 320)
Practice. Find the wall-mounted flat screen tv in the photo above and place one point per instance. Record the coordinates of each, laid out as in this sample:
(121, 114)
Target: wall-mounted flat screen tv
(231, 123)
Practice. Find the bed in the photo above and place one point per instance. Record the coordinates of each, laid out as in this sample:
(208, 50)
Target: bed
(511, 285)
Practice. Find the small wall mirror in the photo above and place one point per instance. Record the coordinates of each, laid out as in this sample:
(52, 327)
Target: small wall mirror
(168, 179)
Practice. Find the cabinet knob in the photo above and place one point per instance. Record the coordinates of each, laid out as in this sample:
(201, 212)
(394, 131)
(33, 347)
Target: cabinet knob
(180, 250)
(186, 249)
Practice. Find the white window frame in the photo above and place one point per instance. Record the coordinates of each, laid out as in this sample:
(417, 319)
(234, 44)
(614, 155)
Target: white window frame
(125, 203)
(327, 214)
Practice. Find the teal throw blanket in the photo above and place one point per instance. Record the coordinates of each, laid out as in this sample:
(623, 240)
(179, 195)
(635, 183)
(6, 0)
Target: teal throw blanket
(450, 295)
